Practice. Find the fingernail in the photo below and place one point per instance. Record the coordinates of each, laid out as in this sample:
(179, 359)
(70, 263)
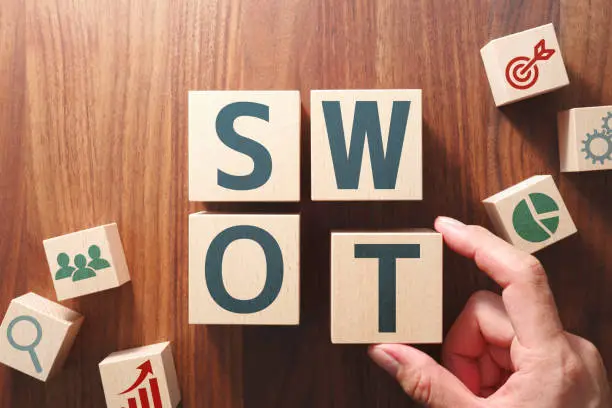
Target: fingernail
(385, 360)
(451, 222)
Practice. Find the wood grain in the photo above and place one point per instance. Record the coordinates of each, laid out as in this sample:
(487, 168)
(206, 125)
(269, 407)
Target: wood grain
(93, 129)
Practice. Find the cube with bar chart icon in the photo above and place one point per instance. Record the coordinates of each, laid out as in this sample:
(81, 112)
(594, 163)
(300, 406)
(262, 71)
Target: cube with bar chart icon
(524, 65)
(143, 377)
(531, 215)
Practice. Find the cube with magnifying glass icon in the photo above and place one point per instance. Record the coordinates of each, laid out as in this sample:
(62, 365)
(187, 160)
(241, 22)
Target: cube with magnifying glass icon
(36, 335)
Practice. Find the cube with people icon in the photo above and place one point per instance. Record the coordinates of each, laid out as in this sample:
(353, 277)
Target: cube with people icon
(531, 215)
(141, 377)
(36, 335)
(86, 261)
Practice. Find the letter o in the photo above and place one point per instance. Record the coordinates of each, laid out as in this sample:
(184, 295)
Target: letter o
(214, 269)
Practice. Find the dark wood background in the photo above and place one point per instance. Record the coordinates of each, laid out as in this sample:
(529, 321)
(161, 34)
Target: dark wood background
(93, 127)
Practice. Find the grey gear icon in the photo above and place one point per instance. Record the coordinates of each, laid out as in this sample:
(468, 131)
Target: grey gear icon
(606, 137)
(607, 123)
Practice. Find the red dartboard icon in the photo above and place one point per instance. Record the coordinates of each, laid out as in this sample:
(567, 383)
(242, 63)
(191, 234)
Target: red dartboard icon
(518, 77)
(522, 72)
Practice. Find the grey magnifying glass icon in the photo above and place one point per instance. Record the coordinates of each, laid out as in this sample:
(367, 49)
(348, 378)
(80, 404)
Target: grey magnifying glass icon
(30, 348)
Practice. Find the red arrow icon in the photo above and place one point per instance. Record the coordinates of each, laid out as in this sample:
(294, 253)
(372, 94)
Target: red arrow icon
(523, 72)
(540, 53)
(145, 369)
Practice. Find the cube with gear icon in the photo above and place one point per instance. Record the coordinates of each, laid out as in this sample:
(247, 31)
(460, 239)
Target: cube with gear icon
(531, 215)
(585, 139)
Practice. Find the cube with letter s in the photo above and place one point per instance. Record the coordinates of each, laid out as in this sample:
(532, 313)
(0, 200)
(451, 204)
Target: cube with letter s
(244, 146)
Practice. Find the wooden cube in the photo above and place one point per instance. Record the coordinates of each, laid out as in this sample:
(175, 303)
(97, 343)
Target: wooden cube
(386, 287)
(36, 335)
(585, 139)
(244, 269)
(524, 65)
(244, 146)
(366, 145)
(87, 261)
(530, 215)
(141, 377)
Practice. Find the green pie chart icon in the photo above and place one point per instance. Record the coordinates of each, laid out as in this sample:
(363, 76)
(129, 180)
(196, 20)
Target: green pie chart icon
(536, 219)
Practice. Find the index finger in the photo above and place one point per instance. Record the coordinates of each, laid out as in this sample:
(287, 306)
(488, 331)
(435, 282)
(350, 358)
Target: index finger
(527, 296)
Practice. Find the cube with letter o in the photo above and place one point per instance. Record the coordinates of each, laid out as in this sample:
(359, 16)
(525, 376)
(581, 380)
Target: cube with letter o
(244, 269)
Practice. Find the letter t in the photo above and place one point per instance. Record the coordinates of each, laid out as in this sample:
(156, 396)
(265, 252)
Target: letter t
(387, 254)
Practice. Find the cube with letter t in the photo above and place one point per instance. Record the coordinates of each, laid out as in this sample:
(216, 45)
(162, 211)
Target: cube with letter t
(244, 146)
(366, 145)
(386, 287)
(244, 269)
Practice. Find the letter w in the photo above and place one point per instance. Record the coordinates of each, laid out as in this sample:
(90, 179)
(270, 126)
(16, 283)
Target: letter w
(366, 123)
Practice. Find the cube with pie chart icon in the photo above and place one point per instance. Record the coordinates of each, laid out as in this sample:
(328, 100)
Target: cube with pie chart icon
(524, 65)
(531, 215)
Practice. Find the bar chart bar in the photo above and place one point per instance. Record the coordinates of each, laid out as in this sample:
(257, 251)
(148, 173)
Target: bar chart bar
(155, 393)
(144, 398)
(132, 403)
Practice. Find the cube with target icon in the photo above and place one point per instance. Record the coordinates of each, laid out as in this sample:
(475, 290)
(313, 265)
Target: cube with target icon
(524, 65)
(531, 215)
(585, 139)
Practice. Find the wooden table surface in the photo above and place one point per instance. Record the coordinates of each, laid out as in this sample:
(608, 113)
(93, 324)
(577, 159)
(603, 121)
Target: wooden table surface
(93, 127)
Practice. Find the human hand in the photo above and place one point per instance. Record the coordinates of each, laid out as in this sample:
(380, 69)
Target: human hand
(506, 351)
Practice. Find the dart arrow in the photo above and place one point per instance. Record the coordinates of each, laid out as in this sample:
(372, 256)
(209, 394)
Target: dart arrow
(145, 369)
(540, 53)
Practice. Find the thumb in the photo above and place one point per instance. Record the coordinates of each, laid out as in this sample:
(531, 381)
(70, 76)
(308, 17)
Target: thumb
(422, 378)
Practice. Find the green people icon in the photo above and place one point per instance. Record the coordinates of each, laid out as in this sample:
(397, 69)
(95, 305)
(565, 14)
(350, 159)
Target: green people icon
(97, 262)
(83, 272)
(63, 260)
(83, 269)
